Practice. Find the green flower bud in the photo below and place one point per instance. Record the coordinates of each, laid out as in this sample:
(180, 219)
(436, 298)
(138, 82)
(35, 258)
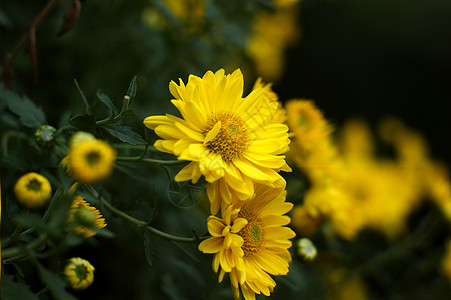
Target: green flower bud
(306, 249)
(85, 216)
(45, 136)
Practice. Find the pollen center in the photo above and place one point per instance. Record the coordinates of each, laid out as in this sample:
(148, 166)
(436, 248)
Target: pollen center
(253, 233)
(34, 185)
(81, 272)
(93, 158)
(232, 139)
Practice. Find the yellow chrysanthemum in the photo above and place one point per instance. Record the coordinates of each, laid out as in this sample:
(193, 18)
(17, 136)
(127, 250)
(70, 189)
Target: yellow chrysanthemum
(280, 115)
(231, 140)
(91, 160)
(251, 242)
(32, 190)
(85, 216)
(271, 33)
(79, 273)
(307, 123)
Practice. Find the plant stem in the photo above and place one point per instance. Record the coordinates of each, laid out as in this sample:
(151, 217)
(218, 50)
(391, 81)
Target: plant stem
(141, 224)
(26, 36)
(151, 161)
(14, 253)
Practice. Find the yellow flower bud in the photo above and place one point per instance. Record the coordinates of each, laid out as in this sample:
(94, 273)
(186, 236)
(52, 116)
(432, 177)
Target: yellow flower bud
(79, 273)
(32, 190)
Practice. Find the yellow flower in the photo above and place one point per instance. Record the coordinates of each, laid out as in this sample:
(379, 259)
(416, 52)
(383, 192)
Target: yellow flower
(304, 223)
(32, 190)
(307, 123)
(79, 273)
(230, 140)
(85, 216)
(91, 160)
(251, 242)
(271, 33)
(280, 115)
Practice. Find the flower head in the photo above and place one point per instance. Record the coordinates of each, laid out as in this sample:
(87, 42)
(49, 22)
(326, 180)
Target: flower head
(231, 140)
(91, 160)
(85, 216)
(79, 273)
(32, 190)
(251, 242)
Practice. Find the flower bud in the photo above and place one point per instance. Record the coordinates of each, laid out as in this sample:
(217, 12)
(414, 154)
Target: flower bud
(79, 273)
(306, 249)
(45, 136)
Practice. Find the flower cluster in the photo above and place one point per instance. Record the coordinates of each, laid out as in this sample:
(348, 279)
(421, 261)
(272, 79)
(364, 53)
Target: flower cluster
(353, 189)
(237, 143)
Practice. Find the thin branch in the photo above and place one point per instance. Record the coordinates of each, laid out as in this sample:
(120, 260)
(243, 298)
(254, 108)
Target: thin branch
(25, 37)
(141, 224)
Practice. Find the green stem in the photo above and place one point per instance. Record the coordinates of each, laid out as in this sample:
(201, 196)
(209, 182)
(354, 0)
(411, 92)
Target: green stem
(141, 224)
(14, 253)
(151, 161)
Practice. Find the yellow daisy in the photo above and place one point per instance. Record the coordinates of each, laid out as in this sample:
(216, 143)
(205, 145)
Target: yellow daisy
(91, 160)
(79, 273)
(280, 115)
(85, 216)
(251, 242)
(307, 122)
(32, 190)
(230, 140)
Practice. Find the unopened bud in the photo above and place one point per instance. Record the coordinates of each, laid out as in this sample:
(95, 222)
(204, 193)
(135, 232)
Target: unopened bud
(45, 136)
(306, 249)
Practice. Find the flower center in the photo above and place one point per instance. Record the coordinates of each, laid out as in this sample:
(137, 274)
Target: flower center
(93, 158)
(232, 138)
(34, 185)
(253, 233)
(81, 272)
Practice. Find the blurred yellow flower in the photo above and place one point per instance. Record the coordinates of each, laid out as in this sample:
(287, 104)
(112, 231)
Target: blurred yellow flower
(32, 190)
(307, 123)
(231, 140)
(344, 286)
(272, 32)
(91, 160)
(79, 273)
(280, 114)
(84, 216)
(251, 242)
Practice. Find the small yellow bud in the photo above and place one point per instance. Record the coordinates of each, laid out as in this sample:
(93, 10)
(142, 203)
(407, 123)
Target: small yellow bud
(306, 249)
(32, 190)
(79, 273)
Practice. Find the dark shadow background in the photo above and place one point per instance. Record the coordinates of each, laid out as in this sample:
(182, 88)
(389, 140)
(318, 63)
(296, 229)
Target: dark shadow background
(376, 58)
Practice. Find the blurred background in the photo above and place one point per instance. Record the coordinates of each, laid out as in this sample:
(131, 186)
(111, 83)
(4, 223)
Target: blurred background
(367, 59)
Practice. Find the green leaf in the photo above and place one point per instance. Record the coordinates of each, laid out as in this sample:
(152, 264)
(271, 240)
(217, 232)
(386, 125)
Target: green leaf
(55, 284)
(29, 113)
(12, 290)
(87, 108)
(148, 247)
(106, 100)
(125, 134)
(85, 122)
(132, 88)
